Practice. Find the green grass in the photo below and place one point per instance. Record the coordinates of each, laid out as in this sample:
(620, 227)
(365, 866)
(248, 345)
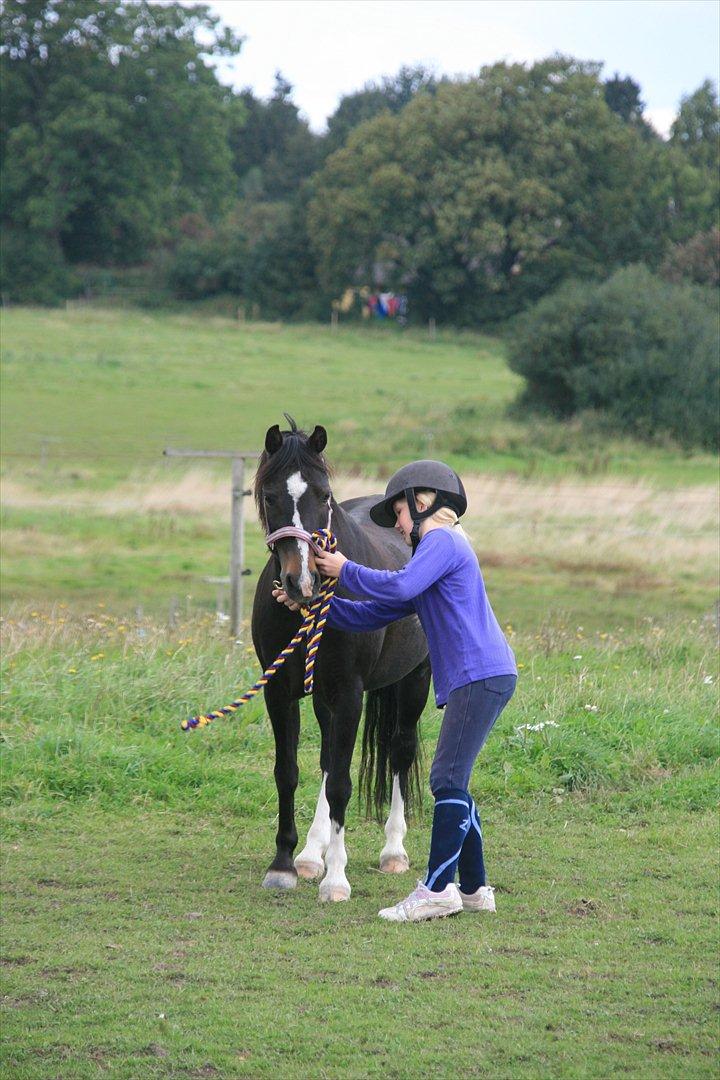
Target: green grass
(116, 387)
(93, 706)
(138, 941)
(147, 560)
(142, 947)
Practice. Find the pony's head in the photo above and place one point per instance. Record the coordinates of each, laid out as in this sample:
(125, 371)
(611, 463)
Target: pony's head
(292, 487)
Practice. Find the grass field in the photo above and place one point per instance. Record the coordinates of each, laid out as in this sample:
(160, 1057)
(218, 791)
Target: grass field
(139, 943)
(116, 387)
(137, 940)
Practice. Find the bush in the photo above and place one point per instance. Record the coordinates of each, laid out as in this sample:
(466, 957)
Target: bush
(641, 351)
(261, 253)
(207, 266)
(33, 269)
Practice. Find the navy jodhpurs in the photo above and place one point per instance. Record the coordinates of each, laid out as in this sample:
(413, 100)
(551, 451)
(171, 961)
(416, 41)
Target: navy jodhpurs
(470, 713)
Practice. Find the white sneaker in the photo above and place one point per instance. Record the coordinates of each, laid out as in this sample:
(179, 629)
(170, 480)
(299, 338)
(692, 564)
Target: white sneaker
(423, 904)
(482, 900)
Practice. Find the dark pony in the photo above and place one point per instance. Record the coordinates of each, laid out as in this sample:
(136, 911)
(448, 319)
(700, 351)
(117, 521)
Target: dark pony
(389, 664)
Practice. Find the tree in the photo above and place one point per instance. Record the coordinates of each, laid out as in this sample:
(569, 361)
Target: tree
(273, 149)
(112, 123)
(693, 165)
(622, 96)
(697, 260)
(391, 95)
(696, 130)
(480, 197)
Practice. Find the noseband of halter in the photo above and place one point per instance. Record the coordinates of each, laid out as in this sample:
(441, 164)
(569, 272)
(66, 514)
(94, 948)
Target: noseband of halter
(310, 632)
(319, 541)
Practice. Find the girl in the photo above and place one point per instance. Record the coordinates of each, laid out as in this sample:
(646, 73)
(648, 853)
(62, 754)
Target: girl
(474, 672)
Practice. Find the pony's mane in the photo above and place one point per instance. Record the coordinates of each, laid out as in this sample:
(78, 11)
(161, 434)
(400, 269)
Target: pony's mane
(291, 456)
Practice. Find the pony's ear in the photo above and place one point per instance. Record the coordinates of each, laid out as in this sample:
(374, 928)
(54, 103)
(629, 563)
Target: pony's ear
(318, 440)
(273, 439)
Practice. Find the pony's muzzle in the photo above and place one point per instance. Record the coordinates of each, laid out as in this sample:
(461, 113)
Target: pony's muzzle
(302, 588)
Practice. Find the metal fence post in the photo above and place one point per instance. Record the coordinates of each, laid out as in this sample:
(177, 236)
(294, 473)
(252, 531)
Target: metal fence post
(237, 530)
(237, 545)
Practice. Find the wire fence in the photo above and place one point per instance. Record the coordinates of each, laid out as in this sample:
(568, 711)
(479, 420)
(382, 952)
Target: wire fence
(543, 494)
(589, 489)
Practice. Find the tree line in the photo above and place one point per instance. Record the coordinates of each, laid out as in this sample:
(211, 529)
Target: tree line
(120, 148)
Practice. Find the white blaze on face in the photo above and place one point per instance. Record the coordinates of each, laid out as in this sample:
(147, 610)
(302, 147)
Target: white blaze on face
(296, 487)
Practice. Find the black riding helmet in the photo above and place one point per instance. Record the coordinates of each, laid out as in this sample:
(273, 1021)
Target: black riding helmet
(426, 476)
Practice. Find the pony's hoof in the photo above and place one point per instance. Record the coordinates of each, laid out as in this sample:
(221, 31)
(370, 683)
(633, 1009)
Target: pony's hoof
(279, 879)
(333, 894)
(394, 864)
(309, 870)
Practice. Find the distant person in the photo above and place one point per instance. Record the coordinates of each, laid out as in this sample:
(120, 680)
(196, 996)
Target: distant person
(474, 671)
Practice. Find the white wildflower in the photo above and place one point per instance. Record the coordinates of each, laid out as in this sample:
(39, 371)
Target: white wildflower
(708, 679)
(591, 708)
(579, 657)
(537, 727)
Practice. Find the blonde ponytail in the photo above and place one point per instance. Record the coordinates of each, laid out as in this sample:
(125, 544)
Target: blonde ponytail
(444, 516)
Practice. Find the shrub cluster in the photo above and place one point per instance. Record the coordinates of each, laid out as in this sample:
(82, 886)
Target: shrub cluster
(639, 350)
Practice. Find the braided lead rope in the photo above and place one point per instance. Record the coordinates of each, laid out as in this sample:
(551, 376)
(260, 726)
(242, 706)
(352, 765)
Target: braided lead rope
(311, 628)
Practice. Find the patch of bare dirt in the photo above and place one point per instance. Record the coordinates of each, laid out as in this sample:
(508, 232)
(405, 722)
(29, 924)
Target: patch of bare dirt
(582, 908)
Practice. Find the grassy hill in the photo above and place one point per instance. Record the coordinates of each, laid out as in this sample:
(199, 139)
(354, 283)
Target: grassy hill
(111, 389)
(601, 531)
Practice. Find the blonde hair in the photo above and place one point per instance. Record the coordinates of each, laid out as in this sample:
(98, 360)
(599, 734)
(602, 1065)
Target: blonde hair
(444, 516)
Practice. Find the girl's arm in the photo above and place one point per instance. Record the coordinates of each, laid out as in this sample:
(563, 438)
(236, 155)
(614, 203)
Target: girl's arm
(357, 615)
(432, 559)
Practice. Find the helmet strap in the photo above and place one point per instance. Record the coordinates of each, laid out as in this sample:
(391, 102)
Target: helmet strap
(418, 516)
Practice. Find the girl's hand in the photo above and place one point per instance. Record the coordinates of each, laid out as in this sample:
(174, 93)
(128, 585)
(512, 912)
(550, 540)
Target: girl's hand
(282, 598)
(330, 565)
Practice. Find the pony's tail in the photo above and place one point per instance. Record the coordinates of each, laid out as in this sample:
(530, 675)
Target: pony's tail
(382, 713)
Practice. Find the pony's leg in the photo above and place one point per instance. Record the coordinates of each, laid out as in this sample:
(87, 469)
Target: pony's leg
(412, 696)
(346, 717)
(393, 857)
(285, 719)
(310, 862)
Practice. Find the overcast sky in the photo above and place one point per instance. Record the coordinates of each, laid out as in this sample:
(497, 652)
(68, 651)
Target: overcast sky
(327, 48)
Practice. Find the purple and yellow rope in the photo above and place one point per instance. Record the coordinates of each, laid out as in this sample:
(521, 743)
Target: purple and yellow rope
(311, 630)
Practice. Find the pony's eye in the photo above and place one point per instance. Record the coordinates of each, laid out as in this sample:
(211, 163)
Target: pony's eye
(269, 499)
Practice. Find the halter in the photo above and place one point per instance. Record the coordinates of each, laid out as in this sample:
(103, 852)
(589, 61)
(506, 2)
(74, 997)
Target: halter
(310, 630)
(299, 534)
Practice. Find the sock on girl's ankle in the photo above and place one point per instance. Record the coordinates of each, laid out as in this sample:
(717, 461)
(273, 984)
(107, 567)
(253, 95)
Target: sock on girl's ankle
(451, 821)
(471, 863)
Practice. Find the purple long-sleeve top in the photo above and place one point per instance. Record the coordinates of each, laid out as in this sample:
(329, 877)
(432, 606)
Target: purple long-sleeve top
(443, 585)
